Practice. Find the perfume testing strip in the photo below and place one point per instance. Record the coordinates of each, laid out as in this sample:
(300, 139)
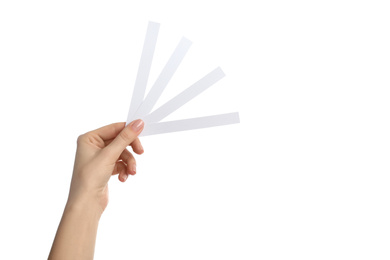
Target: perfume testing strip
(185, 96)
(141, 108)
(190, 124)
(144, 68)
(163, 79)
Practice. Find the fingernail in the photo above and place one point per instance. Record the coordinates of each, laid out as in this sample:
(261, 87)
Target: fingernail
(134, 169)
(125, 177)
(137, 125)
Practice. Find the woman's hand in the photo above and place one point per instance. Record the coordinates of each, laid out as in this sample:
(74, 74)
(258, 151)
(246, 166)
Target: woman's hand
(100, 154)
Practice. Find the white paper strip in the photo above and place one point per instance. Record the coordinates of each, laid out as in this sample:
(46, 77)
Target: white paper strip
(163, 79)
(185, 96)
(190, 124)
(143, 69)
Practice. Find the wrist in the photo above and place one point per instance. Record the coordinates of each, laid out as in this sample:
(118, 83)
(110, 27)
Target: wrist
(86, 204)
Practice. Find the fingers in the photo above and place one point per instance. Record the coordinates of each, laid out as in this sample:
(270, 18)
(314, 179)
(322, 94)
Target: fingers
(123, 139)
(137, 146)
(120, 168)
(129, 159)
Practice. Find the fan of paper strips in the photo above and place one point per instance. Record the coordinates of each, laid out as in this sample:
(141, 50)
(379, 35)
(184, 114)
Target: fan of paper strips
(142, 107)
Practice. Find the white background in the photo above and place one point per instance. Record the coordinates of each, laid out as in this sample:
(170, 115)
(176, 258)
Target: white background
(305, 175)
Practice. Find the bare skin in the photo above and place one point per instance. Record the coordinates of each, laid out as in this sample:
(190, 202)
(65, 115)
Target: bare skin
(100, 154)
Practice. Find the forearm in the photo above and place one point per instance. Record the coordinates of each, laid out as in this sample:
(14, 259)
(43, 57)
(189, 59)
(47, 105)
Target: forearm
(76, 234)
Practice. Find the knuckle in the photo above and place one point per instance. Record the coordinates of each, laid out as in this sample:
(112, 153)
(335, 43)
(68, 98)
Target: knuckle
(131, 159)
(125, 135)
(81, 139)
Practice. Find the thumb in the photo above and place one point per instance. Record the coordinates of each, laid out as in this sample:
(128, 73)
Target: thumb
(124, 138)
